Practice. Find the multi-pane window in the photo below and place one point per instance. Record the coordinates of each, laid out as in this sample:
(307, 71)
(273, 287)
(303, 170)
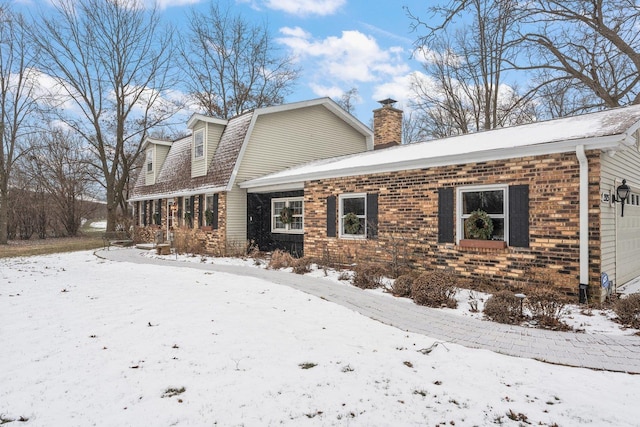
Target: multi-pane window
(287, 215)
(353, 215)
(491, 200)
(150, 160)
(210, 209)
(188, 212)
(198, 144)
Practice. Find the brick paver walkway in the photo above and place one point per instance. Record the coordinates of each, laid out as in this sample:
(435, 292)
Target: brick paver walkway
(606, 352)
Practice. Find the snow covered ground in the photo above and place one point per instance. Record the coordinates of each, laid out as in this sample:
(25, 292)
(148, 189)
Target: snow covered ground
(88, 342)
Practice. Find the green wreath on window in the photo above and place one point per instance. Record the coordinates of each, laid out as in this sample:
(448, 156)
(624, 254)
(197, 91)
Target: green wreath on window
(479, 225)
(351, 223)
(286, 215)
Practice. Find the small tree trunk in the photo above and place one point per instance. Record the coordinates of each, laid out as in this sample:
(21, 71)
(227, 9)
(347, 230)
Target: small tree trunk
(4, 215)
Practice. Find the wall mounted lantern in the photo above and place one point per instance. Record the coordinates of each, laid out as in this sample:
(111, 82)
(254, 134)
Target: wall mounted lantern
(622, 194)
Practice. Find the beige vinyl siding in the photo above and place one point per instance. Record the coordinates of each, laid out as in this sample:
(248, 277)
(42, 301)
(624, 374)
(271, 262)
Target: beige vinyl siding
(288, 138)
(623, 165)
(212, 138)
(161, 155)
(212, 134)
(236, 216)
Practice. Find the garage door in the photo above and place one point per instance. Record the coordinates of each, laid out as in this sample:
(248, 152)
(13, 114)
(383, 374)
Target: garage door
(628, 241)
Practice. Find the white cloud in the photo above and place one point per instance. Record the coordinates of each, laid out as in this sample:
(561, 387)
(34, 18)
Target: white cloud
(306, 7)
(334, 92)
(400, 88)
(164, 4)
(352, 57)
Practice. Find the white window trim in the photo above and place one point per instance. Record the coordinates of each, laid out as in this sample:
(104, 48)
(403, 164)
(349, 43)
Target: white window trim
(341, 197)
(459, 216)
(286, 230)
(199, 132)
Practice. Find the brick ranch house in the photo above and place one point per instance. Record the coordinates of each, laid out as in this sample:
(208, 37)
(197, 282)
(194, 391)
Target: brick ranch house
(548, 187)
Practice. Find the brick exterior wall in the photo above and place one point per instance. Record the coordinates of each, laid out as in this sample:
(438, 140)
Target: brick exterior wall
(211, 241)
(408, 221)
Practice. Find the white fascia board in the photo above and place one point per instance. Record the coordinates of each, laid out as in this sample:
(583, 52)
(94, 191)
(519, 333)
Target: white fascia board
(243, 148)
(155, 141)
(207, 119)
(289, 186)
(603, 143)
(203, 190)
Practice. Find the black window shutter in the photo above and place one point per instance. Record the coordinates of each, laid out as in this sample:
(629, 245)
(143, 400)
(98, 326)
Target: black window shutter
(372, 215)
(200, 201)
(331, 216)
(445, 215)
(138, 213)
(519, 216)
(180, 210)
(144, 213)
(214, 209)
(159, 211)
(192, 204)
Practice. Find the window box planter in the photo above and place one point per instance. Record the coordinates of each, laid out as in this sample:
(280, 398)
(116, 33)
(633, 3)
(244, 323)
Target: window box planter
(488, 244)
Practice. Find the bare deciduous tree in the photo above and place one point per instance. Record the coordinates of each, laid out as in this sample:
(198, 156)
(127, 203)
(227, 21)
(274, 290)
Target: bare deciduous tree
(579, 55)
(233, 65)
(112, 60)
(349, 99)
(466, 89)
(60, 166)
(413, 129)
(18, 106)
(590, 44)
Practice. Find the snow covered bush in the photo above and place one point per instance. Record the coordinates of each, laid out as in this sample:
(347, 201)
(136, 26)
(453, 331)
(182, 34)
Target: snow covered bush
(367, 276)
(302, 265)
(280, 259)
(503, 307)
(546, 306)
(435, 289)
(628, 310)
(402, 285)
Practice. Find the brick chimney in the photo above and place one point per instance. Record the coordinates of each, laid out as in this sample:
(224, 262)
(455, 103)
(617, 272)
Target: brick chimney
(387, 125)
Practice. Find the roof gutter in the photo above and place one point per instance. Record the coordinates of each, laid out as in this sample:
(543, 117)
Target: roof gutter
(584, 223)
(185, 193)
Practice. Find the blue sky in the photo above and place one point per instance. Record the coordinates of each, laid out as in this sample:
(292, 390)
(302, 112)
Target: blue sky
(339, 44)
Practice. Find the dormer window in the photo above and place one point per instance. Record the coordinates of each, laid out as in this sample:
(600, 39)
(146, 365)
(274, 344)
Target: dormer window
(198, 144)
(150, 160)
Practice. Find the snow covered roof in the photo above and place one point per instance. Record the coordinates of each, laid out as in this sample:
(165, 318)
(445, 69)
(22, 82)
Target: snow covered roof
(174, 179)
(606, 130)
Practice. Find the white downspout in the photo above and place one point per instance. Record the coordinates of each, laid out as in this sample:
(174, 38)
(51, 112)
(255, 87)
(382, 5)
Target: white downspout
(584, 221)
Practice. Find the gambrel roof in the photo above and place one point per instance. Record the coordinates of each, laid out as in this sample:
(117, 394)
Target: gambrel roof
(608, 130)
(174, 178)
